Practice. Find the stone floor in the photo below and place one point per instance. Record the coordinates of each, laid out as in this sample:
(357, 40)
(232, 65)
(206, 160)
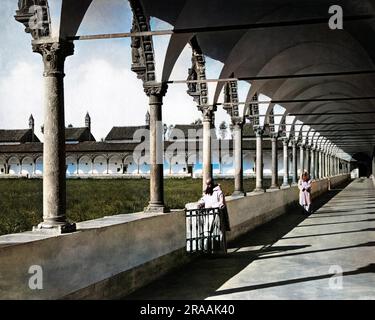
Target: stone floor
(292, 257)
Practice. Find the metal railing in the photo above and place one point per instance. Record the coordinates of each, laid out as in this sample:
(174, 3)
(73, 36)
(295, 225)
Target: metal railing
(205, 232)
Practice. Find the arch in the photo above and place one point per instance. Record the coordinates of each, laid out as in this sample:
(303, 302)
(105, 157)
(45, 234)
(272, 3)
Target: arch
(39, 165)
(131, 165)
(27, 167)
(14, 164)
(85, 165)
(115, 164)
(100, 165)
(71, 165)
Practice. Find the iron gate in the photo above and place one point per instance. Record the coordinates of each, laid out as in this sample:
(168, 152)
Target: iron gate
(205, 231)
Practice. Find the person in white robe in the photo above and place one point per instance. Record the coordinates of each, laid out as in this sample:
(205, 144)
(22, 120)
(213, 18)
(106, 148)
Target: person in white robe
(304, 186)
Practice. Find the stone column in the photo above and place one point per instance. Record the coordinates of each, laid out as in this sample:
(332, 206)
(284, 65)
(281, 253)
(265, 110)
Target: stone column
(316, 164)
(6, 166)
(259, 159)
(319, 159)
(274, 163)
(54, 185)
(77, 169)
(123, 165)
(107, 171)
(330, 164)
(207, 146)
(321, 164)
(294, 163)
(286, 163)
(34, 166)
(312, 163)
(238, 157)
(308, 159)
(92, 166)
(301, 159)
(156, 92)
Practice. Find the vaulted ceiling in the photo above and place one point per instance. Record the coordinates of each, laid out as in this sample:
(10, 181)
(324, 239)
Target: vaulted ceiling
(295, 39)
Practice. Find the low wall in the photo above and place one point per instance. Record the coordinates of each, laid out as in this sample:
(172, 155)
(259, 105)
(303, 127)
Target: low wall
(109, 258)
(102, 260)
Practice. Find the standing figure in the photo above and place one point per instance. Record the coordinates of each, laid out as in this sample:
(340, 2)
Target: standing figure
(304, 186)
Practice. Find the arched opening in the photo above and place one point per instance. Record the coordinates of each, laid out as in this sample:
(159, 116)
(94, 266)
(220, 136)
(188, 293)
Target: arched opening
(71, 166)
(362, 162)
(14, 166)
(27, 166)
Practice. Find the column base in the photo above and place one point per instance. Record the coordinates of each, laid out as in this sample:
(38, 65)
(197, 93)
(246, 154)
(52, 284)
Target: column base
(294, 184)
(285, 186)
(257, 191)
(273, 188)
(56, 228)
(156, 208)
(238, 194)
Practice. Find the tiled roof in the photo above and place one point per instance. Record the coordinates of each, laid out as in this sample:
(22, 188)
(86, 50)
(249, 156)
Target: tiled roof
(123, 133)
(20, 136)
(78, 134)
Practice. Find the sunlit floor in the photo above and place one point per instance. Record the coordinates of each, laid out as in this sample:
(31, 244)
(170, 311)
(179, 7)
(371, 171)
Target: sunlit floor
(327, 255)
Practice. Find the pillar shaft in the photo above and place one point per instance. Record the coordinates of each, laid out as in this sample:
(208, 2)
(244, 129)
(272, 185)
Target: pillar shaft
(34, 166)
(301, 159)
(207, 146)
(294, 163)
(259, 160)
(321, 164)
(316, 165)
(312, 163)
(308, 159)
(155, 93)
(274, 169)
(54, 185)
(238, 159)
(286, 163)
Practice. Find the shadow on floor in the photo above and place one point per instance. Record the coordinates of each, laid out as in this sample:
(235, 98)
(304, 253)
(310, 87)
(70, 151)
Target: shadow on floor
(366, 269)
(205, 275)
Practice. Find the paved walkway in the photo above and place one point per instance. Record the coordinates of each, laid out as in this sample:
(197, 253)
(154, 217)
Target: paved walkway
(292, 257)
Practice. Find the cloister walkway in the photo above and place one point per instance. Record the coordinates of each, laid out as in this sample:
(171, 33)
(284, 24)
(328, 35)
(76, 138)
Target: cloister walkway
(292, 257)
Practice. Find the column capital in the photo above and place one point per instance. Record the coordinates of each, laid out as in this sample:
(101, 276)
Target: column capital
(237, 121)
(208, 112)
(259, 131)
(155, 89)
(274, 135)
(285, 140)
(54, 55)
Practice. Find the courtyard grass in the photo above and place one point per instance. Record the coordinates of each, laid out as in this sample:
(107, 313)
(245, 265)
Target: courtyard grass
(21, 200)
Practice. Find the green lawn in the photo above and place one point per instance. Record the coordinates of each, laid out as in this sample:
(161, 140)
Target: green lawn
(21, 200)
